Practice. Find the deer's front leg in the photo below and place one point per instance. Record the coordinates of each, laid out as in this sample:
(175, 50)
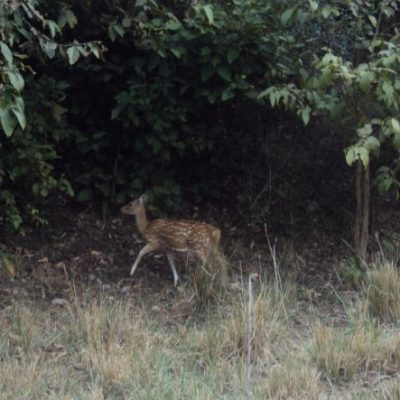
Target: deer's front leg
(149, 248)
(171, 262)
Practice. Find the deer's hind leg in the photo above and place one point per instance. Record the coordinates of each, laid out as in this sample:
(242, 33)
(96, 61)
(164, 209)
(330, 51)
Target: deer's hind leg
(171, 262)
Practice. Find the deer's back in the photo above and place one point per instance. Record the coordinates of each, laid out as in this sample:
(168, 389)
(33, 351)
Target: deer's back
(182, 235)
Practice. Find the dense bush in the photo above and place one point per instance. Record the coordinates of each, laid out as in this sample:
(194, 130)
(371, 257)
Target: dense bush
(106, 99)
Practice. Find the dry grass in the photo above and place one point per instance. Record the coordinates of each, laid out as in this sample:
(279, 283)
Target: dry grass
(100, 347)
(390, 392)
(211, 280)
(291, 380)
(108, 348)
(382, 290)
(342, 353)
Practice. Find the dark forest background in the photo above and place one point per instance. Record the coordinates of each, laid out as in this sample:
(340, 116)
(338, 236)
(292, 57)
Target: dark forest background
(254, 110)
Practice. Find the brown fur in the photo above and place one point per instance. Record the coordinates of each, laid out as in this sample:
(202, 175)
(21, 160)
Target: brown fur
(179, 236)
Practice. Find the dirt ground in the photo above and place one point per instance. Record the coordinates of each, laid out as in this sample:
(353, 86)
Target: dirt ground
(78, 252)
(78, 246)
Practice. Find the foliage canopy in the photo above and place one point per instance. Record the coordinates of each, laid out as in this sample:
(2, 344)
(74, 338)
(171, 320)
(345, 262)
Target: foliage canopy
(106, 98)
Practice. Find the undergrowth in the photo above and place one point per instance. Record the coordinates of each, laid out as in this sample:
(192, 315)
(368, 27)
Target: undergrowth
(255, 342)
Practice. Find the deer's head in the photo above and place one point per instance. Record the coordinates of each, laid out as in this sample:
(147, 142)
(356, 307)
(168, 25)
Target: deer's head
(135, 206)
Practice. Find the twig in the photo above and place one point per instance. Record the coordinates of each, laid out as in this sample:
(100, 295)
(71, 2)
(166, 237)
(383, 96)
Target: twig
(249, 336)
(272, 250)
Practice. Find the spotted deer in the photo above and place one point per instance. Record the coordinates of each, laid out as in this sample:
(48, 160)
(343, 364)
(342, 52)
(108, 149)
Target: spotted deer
(176, 236)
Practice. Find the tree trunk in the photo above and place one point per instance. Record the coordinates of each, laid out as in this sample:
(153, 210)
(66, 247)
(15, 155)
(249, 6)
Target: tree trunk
(361, 228)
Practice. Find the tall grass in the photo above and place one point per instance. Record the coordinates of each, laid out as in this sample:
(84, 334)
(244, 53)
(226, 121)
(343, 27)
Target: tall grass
(360, 347)
(108, 348)
(382, 290)
(261, 344)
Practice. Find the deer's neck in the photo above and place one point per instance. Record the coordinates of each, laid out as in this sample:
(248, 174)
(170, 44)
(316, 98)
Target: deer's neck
(141, 220)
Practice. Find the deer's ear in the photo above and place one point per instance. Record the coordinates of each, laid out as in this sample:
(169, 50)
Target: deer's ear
(143, 199)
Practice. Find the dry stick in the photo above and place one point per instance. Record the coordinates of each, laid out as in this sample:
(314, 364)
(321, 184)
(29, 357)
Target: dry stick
(272, 250)
(378, 241)
(247, 366)
(365, 213)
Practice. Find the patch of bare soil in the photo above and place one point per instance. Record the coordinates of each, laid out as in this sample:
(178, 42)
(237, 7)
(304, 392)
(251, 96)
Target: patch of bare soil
(79, 249)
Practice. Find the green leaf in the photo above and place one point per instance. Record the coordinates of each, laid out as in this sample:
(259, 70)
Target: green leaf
(111, 33)
(83, 50)
(365, 131)
(273, 98)
(178, 51)
(384, 179)
(388, 89)
(53, 27)
(373, 20)
(329, 58)
(313, 5)
(94, 48)
(65, 186)
(85, 195)
(20, 117)
(73, 55)
(227, 94)
(35, 189)
(305, 115)
(119, 30)
(350, 156)
(173, 25)
(328, 10)
(16, 80)
(395, 125)
(211, 96)
(127, 22)
(396, 141)
(115, 113)
(205, 51)
(57, 111)
(50, 49)
(372, 144)
(206, 73)
(363, 155)
(366, 79)
(376, 121)
(8, 122)
(225, 73)
(232, 55)
(287, 14)
(5, 50)
(19, 103)
(99, 134)
(265, 93)
(71, 18)
(137, 184)
(209, 13)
